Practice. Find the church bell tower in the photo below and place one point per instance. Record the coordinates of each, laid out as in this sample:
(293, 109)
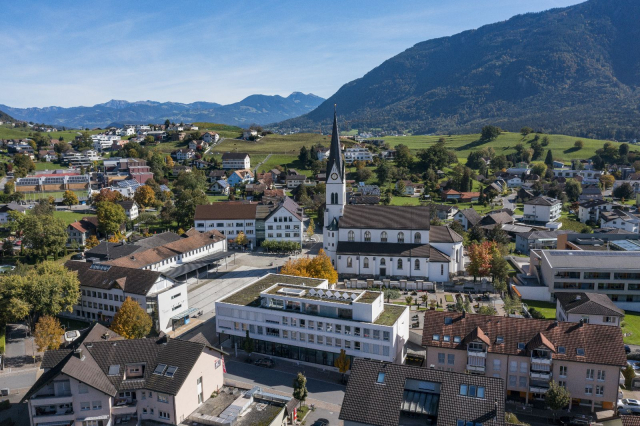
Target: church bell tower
(336, 193)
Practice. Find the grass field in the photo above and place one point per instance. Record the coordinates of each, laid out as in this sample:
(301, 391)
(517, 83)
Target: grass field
(223, 130)
(561, 145)
(7, 132)
(547, 309)
(632, 326)
(216, 198)
(31, 196)
(48, 166)
(69, 217)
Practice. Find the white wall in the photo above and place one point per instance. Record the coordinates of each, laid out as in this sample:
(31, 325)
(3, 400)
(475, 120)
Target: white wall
(171, 302)
(295, 225)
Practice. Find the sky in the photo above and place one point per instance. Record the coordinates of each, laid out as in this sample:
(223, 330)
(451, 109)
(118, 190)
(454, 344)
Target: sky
(72, 53)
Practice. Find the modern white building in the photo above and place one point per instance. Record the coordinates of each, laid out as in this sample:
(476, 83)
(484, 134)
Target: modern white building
(104, 142)
(590, 210)
(377, 240)
(542, 210)
(306, 320)
(589, 177)
(101, 379)
(236, 161)
(589, 308)
(230, 219)
(210, 137)
(619, 219)
(357, 154)
(103, 288)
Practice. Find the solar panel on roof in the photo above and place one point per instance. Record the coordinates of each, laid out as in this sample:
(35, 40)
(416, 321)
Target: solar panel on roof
(100, 267)
(626, 245)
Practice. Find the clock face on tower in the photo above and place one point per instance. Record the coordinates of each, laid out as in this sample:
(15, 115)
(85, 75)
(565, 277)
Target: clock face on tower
(334, 176)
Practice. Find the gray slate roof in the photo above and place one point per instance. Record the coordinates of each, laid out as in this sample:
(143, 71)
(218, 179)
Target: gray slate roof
(473, 217)
(371, 403)
(588, 304)
(444, 234)
(131, 280)
(542, 201)
(385, 217)
(392, 249)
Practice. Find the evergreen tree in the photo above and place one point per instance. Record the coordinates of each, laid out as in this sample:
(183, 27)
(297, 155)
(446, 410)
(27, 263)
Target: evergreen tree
(549, 159)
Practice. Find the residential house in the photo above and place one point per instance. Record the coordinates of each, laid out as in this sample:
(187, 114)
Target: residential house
(468, 218)
(497, 218)
(229, 218)
(536, 239)
(514, 181)
(215, 175)
(301, 318)
(5, 209)
(528, 353)
(443, 211)
(249, 133)
(525, 194)
(357, 153)
(131, 209)
(589, 308)
(542, 210)
(103, 288)
(587, 177)
(239, 177)
(220, 187)
(81, 230)
(199, 145)
(211, 137)
(590, 193)
(619, 219)
(200, 164)
(519, 169)
(101, 379)
(411, 188)
(590, 210)
(463, 197)
(285, 222)
(47, 155)
(383, 394)
(293, 181)
(185, 154)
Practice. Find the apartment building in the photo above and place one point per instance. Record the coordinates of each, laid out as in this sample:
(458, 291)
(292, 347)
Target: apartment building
(528, 353)
(357, 154)
(382, 394)
(285, 222)
(618, 219)
(589, 177)
(103, 380)
(613, 273)
(304, 319)
(590, 210)
(236, 161)
(103, 288)
(542, 210)
(591, 308)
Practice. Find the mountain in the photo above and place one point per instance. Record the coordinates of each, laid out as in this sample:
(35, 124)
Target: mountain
(574, 70)
(259, 109)
(4, 117)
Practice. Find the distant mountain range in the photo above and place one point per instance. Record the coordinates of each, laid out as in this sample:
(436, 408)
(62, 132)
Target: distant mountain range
(574, 70)
(258, 109)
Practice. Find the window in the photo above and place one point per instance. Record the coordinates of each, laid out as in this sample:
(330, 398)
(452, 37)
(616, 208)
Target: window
(456, 339)
(523, 367)
(435, 337)
(162, 398)
(446, 338)
(513, 366)
(451, 359)
(512, 381)
(520, 346)
(400, 237)
(588, 389)
(351, 236)
(97, 405)
(417, 238)
(163, 415)
(496, 365)
(367, 237)
(580, 351)
(416, 265)
(365, 263)
(589, 373)
(114, 370)
(440, 358)
(562, 384)
(599, 390)
(563, 371)
(601, 375)
(82, 388)
(385, 336)
(399, 263)
(464, 389)
(523, 381)
(380, 378)
(441, 269)
(171, 371)
(349, 262)
(85, 406)
(562, 350)
(383, 238)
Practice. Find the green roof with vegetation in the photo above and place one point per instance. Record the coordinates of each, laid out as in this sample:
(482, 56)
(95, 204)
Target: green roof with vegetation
(390, 314)
(250, 295)
(368, 297)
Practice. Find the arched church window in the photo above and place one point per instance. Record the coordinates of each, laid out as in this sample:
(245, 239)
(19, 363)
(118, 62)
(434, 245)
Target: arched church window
(399, 263)
(417, 238)
(365, 263)
(400, 237)
(367, 237)
(383, 237)
(349, 262)
(351, 236)
(416, 265)
(383, 262)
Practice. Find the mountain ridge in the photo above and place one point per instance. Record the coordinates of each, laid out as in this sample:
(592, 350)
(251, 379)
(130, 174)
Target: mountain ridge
(573, 70)
(258, 109)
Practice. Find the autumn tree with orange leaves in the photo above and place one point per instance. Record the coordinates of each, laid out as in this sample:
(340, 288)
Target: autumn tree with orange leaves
(480, 255)
(317, 267)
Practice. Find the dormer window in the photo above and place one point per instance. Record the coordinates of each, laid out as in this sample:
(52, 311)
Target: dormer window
(562, 350)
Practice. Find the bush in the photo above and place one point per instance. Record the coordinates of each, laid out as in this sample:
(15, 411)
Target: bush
(280, 246)
(535, 313)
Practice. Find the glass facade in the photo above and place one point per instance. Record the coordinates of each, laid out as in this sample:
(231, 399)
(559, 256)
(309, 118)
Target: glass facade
(291, 352)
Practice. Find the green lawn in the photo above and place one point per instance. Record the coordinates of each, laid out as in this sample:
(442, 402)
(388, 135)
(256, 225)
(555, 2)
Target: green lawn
(216, 198)
(561, 145)
(571, 223)
(3, 329)
(547, 309)
(448, 298)
(69, 217)
(632, 326)
(55, 194)
(49, 166)
(7, 132)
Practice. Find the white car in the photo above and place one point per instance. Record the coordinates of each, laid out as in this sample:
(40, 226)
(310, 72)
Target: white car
(629, 404)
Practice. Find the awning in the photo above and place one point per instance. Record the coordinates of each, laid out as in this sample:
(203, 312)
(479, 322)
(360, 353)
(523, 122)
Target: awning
(184, 314)
(185, 268)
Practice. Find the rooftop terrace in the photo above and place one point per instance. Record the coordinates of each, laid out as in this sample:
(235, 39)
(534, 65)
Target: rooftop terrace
(250, 295)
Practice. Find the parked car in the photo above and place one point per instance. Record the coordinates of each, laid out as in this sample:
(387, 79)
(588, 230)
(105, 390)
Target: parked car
(265, 362)
(321, 422)
(628, 403)
(627, 349)
(579, 420)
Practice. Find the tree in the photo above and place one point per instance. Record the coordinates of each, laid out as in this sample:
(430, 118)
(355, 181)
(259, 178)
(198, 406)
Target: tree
(539, 169)
(167, 213)
(43, 235)
(110, 217)
(490, 133)
(185, 206)
(607, 181)
(476, 233)
(304, 156)
(425, 299)
(300, 388)
(487, 310)
(131, 321)
(43, 208)
(47, 289)
(549, 159)
(48, 333)
(512, 304)
(557, 397)
(106, 195)
(382, 173)
(311, 229)
(625, 191)
(363, 175)
(318, 267)
(500, 286)
(91, 242)
(409, 301)
(480, 255)
(579, 144)
(69, 198)
(525, 131)
(623, 149)
(457, 227)
(404, 158)
(145, 196)
(22, 164)
(247, 345)
(629, 374)
(499, 268)
(573, 189)
(401, 187)
(242, 239)
(342, 363)
(498, 235)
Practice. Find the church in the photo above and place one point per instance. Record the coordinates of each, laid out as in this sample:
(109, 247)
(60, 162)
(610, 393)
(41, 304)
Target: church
(384, 241)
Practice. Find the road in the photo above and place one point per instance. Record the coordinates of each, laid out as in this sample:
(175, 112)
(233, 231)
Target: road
(255, 170)
(330, 393)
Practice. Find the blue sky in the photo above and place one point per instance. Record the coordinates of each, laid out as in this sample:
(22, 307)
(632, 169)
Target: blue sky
(70, 53)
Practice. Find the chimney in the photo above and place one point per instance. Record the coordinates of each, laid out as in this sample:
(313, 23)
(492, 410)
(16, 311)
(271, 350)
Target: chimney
(78, 354)
(581, 322)
(105, 336)
(464, 314)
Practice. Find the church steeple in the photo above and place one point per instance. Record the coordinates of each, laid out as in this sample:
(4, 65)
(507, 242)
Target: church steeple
(335, 153)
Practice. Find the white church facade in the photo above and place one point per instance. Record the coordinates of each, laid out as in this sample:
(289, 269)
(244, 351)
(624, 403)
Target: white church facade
(384, 241)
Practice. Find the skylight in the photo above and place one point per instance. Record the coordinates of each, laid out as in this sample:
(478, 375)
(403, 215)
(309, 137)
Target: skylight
(447, 338)
(436, 337)
(520, 346)
(380, 378)
(499, 339)
(171, 371)
(160, 369)
(580, 351)
(114, 370)
(456, 339)
(562, 350)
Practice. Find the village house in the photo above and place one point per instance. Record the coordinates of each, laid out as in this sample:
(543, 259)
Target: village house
(220, 187)
(211, 137)
(589, 308)
(239, 177)
(542, 210)
(131, 209)
(236, 161)
(185, 154)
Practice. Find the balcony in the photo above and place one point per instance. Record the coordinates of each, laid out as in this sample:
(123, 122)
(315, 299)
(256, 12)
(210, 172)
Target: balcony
(476, 368)
(538, 389)
(52, 399)
(55, 412)
(481, 354)
(543, 361)
(124, 406)
(542, 375)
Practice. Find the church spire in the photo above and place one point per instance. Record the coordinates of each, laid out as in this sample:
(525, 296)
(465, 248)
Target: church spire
(335, 153)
